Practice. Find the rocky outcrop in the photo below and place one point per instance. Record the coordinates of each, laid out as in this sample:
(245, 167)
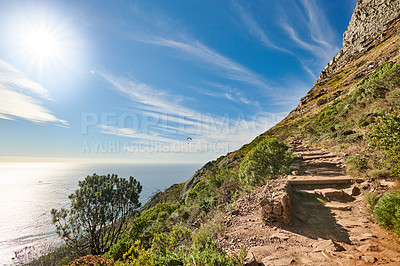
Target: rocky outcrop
(196, 178)
(371, 21)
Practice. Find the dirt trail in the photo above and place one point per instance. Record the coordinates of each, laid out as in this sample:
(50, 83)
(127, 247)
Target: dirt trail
(330, 224)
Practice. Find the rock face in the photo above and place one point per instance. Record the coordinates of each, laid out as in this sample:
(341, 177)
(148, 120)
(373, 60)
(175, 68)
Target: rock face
(370, 21)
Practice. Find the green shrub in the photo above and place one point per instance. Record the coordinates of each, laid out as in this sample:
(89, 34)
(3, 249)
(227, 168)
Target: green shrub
(206, 234)
(368, 119)
(211, 254)
(117, 250)
(383, 79)
(326, 118)
(138, 255)
(92, 260)
(387, 212)
(371, 199)
(379, 173)
(356, 165)
(172, 258)
(152, 221)
(385, 135)
(354, 138)
(269, 159)
(178, 236)
(228, 191)
(202, 195)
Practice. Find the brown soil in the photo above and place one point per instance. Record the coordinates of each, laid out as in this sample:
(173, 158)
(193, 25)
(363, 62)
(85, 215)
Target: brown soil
(330, 223)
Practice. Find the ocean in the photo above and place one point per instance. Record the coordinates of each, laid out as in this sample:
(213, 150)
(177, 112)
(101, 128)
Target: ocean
(28, 192)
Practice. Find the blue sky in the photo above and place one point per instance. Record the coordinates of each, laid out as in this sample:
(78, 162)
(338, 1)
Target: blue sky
(133, 80)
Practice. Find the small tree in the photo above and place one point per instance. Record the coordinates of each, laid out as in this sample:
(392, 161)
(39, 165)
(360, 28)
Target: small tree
(269, 159)
(98, 214)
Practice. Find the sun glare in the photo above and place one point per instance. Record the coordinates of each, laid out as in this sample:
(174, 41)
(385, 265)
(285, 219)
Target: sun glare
(46, 41)
(42, 44)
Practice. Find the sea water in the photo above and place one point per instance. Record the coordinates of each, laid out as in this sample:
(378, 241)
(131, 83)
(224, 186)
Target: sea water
(28, 192)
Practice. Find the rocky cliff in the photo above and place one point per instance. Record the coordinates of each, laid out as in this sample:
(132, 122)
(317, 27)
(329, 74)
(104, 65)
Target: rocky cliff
(371, 21)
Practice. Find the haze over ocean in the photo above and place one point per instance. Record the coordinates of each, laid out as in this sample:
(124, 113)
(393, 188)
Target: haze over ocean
(29, 191)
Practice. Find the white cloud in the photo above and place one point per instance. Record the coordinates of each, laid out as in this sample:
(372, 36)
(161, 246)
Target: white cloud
(172, 122)
(196, 49)
(320, 37)
(254, 28)
(12, 77)
(16, 97)
(231, 95)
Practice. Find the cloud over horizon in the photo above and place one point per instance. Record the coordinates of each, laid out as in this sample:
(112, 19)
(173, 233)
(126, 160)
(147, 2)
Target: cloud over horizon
(17, 97)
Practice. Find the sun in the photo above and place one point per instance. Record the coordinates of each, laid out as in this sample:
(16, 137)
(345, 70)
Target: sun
(42, 44)
(45, 42)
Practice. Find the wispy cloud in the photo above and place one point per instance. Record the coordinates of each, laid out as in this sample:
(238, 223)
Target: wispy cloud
(319, 38)
(255, 29)
(172, 122)
(307, 28)
(17, 100)
(224, 92)
(320, 29)
(201, 52)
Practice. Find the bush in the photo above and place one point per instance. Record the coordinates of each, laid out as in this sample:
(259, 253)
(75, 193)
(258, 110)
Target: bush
(379, 173)
(269, 159)
(228, 191)
(357, 165)
(117, 250)
(206, 234)
(138, 255)
(385, 135)
(383, 79)
(387, 211)
(92, 260)
(211, 254)
(371, 199)
(202, 195)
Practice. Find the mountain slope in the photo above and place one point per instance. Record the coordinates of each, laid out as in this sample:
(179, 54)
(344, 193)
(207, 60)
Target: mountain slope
(345, 135)
(371, 40)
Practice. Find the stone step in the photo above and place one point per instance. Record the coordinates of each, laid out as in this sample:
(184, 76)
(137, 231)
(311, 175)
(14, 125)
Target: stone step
(306, 193)
(339, 207)
(312, 204)
(319, 156)
(330, 205)
(324, 181)
(330, 193)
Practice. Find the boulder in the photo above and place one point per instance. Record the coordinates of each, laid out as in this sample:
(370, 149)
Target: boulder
(250, 260)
